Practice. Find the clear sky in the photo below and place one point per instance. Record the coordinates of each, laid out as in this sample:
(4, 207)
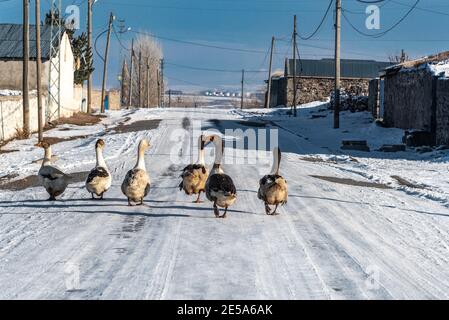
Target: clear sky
(249, 25)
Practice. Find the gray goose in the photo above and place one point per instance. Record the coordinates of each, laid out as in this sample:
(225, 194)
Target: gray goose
(220, 188)
(50, 177)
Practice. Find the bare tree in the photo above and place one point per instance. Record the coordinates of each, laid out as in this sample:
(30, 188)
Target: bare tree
(145, 91)
(399, 58)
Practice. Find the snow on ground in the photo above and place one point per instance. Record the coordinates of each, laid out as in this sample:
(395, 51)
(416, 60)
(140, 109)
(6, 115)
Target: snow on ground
(333, 240)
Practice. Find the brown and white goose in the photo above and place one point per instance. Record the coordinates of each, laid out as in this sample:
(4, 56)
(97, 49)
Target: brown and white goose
(99, 179)
(273, 187)
(194, 176)
(220, 188)
(50, 177)
(136, 184)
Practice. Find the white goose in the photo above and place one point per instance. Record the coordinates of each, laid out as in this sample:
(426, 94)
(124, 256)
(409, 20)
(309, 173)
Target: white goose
(220, 188)
(136, 184)
(99, 179)
(50, 177)
(194, 176)
(273, 187)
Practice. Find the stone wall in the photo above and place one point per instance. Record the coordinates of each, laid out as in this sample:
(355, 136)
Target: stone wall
(408, 100)
(320, 89)
(442, 112)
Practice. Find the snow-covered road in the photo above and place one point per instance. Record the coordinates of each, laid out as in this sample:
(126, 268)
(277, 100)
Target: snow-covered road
(331, 241)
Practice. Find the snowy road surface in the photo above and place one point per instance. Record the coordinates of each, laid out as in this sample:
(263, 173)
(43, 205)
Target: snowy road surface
(332, 240)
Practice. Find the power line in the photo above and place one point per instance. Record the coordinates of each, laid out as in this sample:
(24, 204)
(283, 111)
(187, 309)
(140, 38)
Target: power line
(211, 69)
(384, 32)
(319, 25)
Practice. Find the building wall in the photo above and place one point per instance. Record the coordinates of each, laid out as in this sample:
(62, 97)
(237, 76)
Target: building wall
(11, 75)
(11, 112)
(408, 100)
(11, 115)
(114, 99)
(442, 112)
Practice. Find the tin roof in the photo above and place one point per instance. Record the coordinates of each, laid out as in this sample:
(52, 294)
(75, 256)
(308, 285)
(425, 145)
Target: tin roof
(11, 44)
(325, 68)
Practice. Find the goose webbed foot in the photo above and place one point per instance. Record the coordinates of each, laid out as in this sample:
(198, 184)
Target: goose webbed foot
(52, 198)
(129, 203)
(141, 202)
(198, 199)
(274, 213)
(224, 214)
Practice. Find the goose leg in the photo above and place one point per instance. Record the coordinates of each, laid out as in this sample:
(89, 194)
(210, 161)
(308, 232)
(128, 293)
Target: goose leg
(267, 209)
(141, 202)
(101, 196)
(52, 198)
(274, 212)
(224, 214)
(129, 203)
(216, 211)
(92, 194)
(198, 199)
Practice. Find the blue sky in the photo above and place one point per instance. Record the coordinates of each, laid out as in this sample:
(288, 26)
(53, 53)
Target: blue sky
(249, 25)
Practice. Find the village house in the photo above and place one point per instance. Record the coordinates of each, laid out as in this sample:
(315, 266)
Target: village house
(11, 56)
(315, 79)
(415, 96)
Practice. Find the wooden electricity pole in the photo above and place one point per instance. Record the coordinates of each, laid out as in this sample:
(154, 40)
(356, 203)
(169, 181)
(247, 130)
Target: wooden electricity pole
(242, 92)
(294, 67)
(337, 65)
(26, 59)
(169, 98)
(89, 45)
(268, 99)
(162, 84)
(38, 71)
(105, 68)
(131, 76)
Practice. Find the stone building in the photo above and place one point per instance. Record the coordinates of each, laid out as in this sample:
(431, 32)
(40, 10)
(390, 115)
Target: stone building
(415, 96)
(315, 79)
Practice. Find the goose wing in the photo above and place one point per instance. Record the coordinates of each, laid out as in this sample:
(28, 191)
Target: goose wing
(223, 183)
(51, 173)
(98, 172)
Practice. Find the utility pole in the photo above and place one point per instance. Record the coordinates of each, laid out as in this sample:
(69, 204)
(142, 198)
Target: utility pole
(131, 76)
(38, 71)
(294, 66)
(148, 82)
(242, 92)
(337, 65)
(89, 45)
(169, 98)
(162, 84)
(26, 59)
(105, 68)
(268, 99)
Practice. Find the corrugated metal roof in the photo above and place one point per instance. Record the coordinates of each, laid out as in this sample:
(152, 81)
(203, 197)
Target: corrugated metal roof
(11, 44)
(325, 68)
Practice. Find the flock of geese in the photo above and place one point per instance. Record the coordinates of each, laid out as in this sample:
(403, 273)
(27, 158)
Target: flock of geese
(196, 178)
